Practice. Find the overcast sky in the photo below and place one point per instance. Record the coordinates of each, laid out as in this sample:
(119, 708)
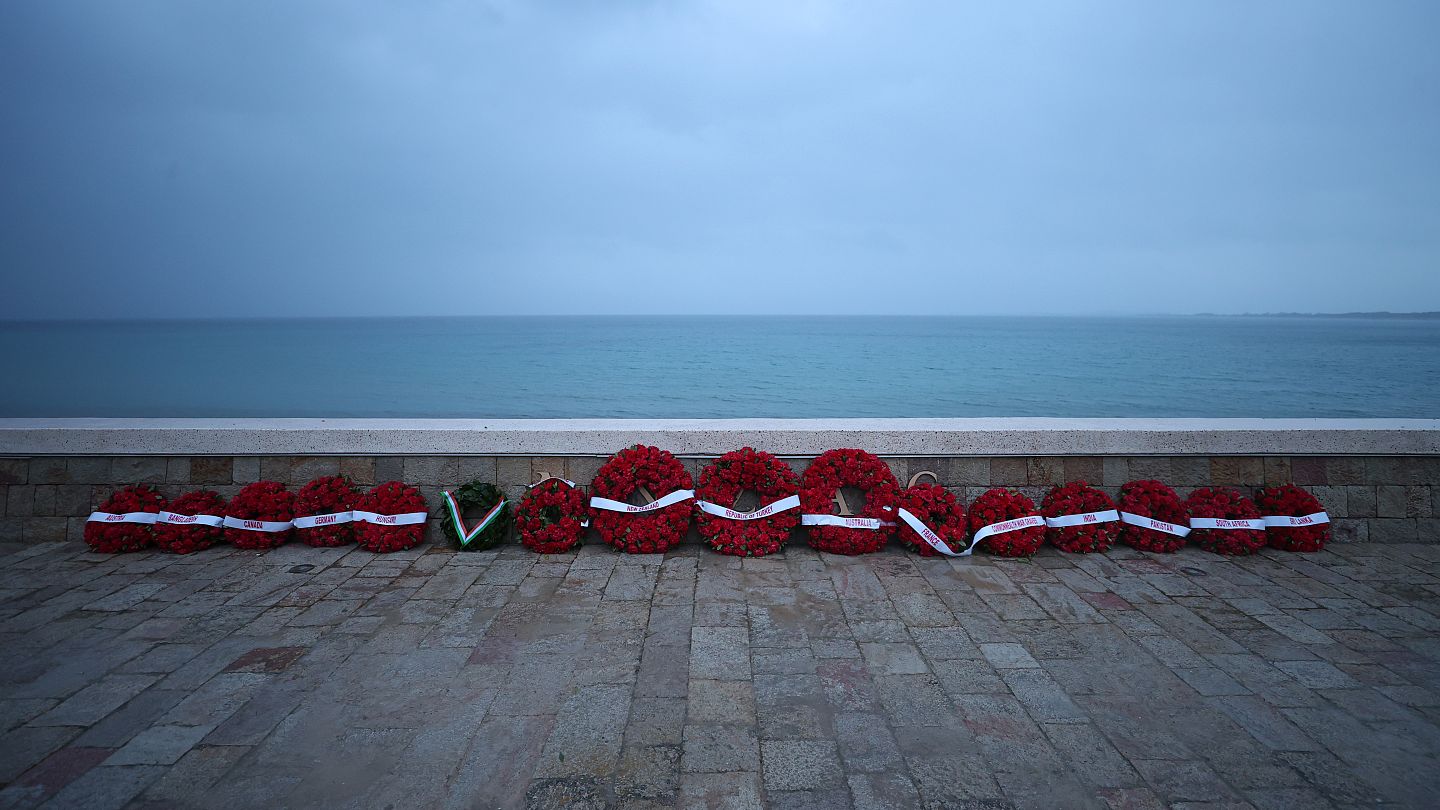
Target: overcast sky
(291, 158)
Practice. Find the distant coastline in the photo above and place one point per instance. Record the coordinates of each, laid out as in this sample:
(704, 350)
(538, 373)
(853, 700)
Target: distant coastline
(1424, 316)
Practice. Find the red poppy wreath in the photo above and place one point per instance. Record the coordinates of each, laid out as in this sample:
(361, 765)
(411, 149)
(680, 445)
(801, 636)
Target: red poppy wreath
(1004, 522)
(322, 512)
(191, 522)
(841, 534)
(258, 517)
(932, 521)
(125, 521)
(1154, 518)
(655, 527)
(1080, 518)
(1294, 519)
(747, 534)
(1225, 522)
(390, 517)
(552, 517)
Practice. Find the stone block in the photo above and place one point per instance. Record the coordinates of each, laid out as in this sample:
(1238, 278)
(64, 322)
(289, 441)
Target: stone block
(87, 470)
(512, 471)
(159, 745)
(583, 468)
(1189, 471)
(1394, 530)
(1277, 470)
(437, 470)
(1007, 471)
(719, 749)
(305, 469)
(44, 500)
(1359, 501)
(72, 500)
(1428, 529)
(1350, 530)
(1117, 471)
(177, 470)
(1334, 499)
(925, 471)
(14, 471)
(1417, 501)
(1143, 468)
(476, 468)
(20, 501)
(138, 469)
(801, 765)
(1090, 469)
(966, 472)
(211, 470)
(1237, 471)
(1308, 470)
(275, 468)
(359, 469)
(12, 530)
(1394, 470)
(1346, 471)
(246, 469)
(1044, 470)
(724, 702)
(547, 467)
(389, 468)
(43, 470)
(1390, 502)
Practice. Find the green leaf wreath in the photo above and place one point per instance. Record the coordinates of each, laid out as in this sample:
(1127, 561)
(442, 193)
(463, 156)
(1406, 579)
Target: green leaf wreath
(476, 497)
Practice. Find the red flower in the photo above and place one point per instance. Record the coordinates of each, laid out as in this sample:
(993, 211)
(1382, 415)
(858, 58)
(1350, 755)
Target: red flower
(326, 496)
(1078, 498)
(722, 482)
(551, 517)
(183, 538)
(111, 538)
(390, 498)
(1002, 505)
(850, 468)
(267, 501)
(660, 474)
(1292, 501)
(1226, 504)
(1152, 499)
(937, 508)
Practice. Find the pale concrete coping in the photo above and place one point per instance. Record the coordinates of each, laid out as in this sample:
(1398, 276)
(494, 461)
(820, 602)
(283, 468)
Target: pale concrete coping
(710, 437)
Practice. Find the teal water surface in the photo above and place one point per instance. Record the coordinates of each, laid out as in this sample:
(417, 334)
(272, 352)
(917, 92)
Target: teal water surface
(676, 367)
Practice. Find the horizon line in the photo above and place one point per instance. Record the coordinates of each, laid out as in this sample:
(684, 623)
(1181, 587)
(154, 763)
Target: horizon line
(389, 316)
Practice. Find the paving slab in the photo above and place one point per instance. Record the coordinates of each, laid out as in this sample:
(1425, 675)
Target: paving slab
(506, 679)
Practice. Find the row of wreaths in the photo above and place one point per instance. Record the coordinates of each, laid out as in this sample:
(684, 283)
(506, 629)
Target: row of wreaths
(553, 515)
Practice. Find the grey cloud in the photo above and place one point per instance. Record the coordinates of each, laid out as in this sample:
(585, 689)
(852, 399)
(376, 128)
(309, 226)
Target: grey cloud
(265, 158)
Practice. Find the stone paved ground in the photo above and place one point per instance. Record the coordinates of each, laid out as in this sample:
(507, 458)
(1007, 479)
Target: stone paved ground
(309, 677)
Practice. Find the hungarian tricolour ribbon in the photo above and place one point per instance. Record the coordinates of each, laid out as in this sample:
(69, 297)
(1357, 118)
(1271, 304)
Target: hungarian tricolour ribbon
(1152, 523)
(402, 519)
(1227, 523)
(248, 525)
(332, 519)
(122, 517)
(1293, 522)
(189, 520)
(468, 535)
(782, 505)
(659, 503)
(1006, 526)
(929, 536)
(1082, 519)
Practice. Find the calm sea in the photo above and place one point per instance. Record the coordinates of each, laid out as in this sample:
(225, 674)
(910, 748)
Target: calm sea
(724, 367)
